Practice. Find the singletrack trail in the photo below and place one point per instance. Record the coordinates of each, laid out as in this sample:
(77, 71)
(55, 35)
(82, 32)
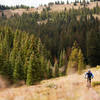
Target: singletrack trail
(71, 87)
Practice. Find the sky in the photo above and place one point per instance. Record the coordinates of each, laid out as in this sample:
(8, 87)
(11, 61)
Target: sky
(33, 3)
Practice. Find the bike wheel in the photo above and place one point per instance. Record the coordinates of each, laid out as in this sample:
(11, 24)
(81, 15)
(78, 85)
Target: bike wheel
(89, 84)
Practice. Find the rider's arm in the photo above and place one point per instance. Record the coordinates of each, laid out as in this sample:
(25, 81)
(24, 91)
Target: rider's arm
(92, 75)
(85, 75)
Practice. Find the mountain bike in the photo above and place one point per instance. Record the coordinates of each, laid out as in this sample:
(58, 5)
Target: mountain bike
(88, 83)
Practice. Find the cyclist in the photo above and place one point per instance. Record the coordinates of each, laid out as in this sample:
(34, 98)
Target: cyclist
(89, 76)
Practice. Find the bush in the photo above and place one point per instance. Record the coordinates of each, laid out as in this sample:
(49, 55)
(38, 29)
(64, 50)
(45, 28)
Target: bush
(98, 67)
(96, 83)
(52, 85)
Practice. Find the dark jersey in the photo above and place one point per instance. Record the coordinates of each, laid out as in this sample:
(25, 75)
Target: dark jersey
(89, 75)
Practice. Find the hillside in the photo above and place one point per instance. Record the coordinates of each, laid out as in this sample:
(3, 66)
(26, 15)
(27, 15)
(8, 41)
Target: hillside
(10, 13)
(91, 5)
(53, 8)
(72, 87)
(44, 55)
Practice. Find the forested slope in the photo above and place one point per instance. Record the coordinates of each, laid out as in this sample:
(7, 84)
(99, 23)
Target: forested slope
(21, 56)
(58, 31)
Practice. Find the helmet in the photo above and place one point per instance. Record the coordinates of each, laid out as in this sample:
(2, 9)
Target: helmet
(89, 71)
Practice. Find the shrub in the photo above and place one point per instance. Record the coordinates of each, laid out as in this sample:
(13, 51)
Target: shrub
(96, 83)
(98, 67)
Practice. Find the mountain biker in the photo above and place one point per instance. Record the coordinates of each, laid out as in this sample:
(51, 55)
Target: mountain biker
(89, 76)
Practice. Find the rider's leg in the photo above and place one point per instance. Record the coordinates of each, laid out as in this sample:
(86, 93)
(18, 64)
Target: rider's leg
(90, 82)
(87, 82)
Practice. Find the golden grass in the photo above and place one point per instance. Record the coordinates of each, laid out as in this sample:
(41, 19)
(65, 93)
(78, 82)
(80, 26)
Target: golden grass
(72, 87)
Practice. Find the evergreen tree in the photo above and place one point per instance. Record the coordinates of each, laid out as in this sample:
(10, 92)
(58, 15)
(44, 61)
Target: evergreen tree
(43, 70)
(56, 69)
(16, 49)
(62, 63)
(62, 58)
(49, 69)
(81, 65)
(93, 48)
(31, 71)
(75, 60)
(18, 70)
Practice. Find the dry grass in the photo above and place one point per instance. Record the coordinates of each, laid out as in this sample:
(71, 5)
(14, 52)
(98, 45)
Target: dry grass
(10, 13)
(70, 6)
(72, 87)
(97, 89)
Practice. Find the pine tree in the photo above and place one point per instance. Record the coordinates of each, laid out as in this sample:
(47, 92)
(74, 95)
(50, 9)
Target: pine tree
(15, 50)
(93, 48)
(76, 60)
(49, 69)
(31, 71)
(73, 59)
(25, 68)
(25, 53)
(5, 48)
(18, 73)
(62, 58)
(5, 68)
(62, 63)
(81, 65)
(43, 70)
(39, 46)
(56, 69)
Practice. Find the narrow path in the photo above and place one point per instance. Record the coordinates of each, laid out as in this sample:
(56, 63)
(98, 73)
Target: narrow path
(90, 95)
(83, 91)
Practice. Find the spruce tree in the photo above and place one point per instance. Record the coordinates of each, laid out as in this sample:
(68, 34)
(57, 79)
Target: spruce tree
(18, 73)
(56, 69)
(42, 70)
(73, 59)
(93, 48)
(62, 63)
(49, 69)
(81, 65)
(76, 60)
(62, 58)
(31, 77)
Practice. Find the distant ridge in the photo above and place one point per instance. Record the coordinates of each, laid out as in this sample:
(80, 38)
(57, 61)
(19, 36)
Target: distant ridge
(52, 8)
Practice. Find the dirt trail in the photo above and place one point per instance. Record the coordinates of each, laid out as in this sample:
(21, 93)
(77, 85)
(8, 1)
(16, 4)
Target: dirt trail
(83, 91)
(90, 95)
(72, 87)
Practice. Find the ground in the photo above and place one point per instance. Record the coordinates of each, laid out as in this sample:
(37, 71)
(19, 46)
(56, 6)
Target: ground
(71, 87)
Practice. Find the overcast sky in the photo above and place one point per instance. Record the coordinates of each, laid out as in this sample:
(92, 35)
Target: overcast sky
(34, 3)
